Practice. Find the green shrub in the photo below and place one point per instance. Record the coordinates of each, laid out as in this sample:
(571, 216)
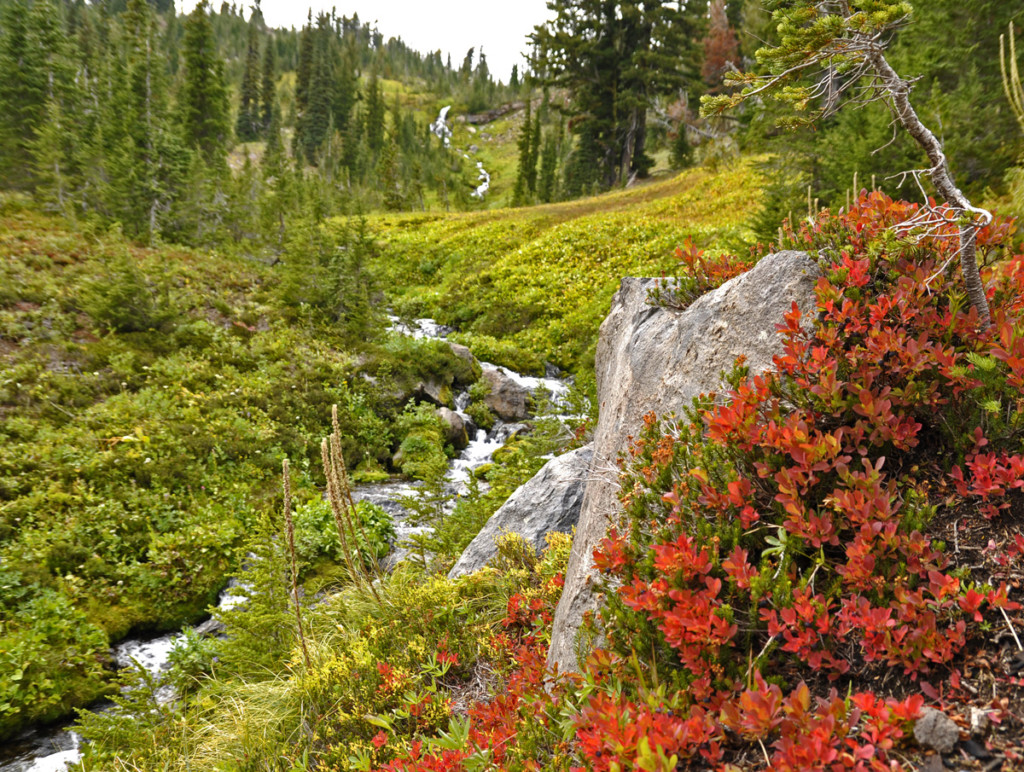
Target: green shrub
(504, 353)
(124, 299)
(421, 454)
(51, 658)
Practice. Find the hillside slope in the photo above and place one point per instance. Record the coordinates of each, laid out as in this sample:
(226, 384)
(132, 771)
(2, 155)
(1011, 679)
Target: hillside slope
(541, 278)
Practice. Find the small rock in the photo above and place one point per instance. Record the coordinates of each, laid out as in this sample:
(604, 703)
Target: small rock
(936, 730)
(979, 721)
(434, 392)
(463, 353)
(210, 627)
(933, 764)
(455, 428)
(507, 398)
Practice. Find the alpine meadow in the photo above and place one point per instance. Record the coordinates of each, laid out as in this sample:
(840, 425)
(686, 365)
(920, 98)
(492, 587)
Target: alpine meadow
(656, 404)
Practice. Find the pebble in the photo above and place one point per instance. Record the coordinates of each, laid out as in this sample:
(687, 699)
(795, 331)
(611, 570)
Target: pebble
(936, 730)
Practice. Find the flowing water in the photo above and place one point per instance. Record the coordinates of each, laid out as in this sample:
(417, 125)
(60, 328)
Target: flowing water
(52, 748)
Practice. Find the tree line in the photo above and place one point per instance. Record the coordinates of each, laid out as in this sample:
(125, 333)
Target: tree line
(215, 127)
(628, 76)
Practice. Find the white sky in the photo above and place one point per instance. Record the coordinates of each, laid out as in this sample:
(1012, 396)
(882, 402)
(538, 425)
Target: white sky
(454, 26)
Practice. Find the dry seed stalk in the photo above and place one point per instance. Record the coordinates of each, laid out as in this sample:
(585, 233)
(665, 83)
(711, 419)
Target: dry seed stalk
(336, 509)
(340, 491)
(290, 532)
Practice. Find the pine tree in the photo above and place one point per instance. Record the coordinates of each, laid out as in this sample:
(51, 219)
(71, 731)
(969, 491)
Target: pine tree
(682, 152)
(268, 91)
(388, 177)
(51, 151)
(144, 164)
(547, 181)
(374, 115)
(34, 58)
(248, 124)
(203, 99)
(527, 174)
(314, 122)
(826, 49)
(345, 91)
(615, 58)
(304, 71)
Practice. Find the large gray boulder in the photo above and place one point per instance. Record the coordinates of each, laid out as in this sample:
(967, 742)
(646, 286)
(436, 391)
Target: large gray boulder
(506, 398)
(657, 359)
(549, 501)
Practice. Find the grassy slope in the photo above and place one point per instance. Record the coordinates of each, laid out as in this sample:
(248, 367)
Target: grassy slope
(542, 277)
(134, 463)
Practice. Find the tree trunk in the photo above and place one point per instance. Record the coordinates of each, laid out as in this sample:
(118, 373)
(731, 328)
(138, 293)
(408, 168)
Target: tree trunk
(942, 179)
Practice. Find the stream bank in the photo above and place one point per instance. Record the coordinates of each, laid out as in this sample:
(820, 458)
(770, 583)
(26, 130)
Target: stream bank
(52, 748)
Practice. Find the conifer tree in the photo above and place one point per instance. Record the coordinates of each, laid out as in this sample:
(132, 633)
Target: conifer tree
(248, 124)
(51, 151)
(268, 89)
(304, 69)
(614, 58)
(37, 75)
(527, 174)
(547, 180)
(203, 99)
(374, 115)
(827, 48)
(388, 177)
(345, 91)
(144, 164)
(313, 125)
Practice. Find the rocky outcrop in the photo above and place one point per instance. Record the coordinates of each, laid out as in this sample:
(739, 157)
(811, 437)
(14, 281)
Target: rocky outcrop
(456, 431)
(549, 501)
(506, 398)
(656, 359)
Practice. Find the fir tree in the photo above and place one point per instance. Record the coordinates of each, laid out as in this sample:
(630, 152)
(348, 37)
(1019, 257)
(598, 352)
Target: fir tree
(51, 151)
(547, 181)
(35, 60)
(374, 115)
(248, 124)
(615, 58)
(388, 177)
(268, 90)
(527, 175)
(203, 100)
(311, 129)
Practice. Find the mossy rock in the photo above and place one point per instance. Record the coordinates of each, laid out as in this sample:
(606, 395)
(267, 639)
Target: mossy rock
(480, 473)
(507, 452)
(368, 473)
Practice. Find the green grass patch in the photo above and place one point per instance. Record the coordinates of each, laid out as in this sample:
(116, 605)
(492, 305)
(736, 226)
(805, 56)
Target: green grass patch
(541, 278)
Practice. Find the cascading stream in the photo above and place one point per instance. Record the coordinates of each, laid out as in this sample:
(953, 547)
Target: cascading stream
(52, 749)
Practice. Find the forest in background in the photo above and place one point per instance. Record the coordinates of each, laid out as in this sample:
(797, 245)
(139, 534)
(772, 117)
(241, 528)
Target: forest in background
(214, 129)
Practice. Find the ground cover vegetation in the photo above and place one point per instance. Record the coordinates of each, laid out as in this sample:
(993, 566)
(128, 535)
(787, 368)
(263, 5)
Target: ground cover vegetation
(799, 568)
(540, 280)
(782, 552)
(147, 398)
